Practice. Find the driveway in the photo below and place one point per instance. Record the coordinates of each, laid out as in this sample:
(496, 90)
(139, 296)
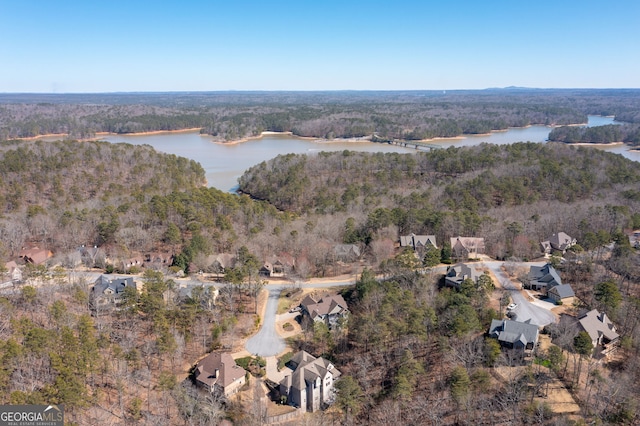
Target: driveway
(267, 342)
(525, 310)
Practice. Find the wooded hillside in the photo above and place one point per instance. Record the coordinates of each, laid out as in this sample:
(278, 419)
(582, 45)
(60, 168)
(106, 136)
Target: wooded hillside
(231, 116)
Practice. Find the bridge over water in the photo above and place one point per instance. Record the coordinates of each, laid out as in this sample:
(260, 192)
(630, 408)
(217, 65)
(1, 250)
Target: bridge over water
(411, 144)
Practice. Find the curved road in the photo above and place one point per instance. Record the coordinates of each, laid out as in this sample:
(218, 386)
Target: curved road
(267, 342)
(525, 310)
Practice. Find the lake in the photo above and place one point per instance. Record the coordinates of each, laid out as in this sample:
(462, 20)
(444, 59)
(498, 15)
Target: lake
(225, 163)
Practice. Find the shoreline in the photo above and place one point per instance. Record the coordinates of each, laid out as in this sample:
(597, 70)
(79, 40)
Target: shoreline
(363, 139)
(64, 136)
(151, 132)
(595, 144)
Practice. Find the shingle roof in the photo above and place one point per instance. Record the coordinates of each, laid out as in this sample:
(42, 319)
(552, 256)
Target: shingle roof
(513, 331)
(326, 306)
(563, 291)
(598, 325)
(544, 276)
(117, 285)
(307, 369)
(228, 370)
(416, 241)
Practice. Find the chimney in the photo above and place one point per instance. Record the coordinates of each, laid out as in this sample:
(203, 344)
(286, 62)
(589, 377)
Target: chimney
(216, 373)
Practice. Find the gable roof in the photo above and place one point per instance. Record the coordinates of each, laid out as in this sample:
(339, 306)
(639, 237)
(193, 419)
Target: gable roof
(227, 370)
(343, 250)
(35, 255)
(514, 331)
(418, 241)
(598, 325)
(544, 275)
(562, 291)
(468, 243)
(462, 271)
(560, 241)
(328, 305)
(306, 369)
(116, 285)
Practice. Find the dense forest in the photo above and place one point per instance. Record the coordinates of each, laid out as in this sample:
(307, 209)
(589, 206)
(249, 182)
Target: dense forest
(473, 191)
(628, 133)
(412, 351)
(385, 115)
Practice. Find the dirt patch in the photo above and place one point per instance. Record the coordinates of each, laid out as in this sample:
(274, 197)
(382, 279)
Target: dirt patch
(553, 393)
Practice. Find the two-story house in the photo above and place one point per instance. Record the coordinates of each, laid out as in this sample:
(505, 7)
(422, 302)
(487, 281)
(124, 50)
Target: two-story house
(310, 386)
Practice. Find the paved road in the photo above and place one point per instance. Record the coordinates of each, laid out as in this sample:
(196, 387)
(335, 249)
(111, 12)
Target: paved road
(267, 342)
(525, 310)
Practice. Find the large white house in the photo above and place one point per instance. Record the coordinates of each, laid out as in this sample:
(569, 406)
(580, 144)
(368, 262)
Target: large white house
(310, 386)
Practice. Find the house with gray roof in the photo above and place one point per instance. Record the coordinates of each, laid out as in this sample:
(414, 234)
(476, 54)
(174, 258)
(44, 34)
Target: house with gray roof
(518, 338)
(219, 373)
(310, 385)
(418, 242)
(109, 292)
(542, 278)
(601, 330)
(558, 242)
(561, 293)
(347, 252)
(456, 274)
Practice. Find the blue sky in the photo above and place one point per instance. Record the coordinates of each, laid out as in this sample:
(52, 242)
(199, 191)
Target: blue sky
(108, 46)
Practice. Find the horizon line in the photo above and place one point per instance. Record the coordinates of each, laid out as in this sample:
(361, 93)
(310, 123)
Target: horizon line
(138, 92)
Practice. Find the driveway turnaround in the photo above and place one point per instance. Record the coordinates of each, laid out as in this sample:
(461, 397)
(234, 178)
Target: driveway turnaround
(525, 311)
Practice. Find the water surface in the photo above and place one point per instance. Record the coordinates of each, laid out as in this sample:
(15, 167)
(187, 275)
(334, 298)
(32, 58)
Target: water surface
(225, 163)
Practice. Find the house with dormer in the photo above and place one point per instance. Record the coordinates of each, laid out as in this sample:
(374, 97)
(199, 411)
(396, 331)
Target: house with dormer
(542, 278)
(329, 309)
(310, 386)
(463, 248)
(518, 339)
(458, 273)
(419, 243)
(109, 292)
(601, 329)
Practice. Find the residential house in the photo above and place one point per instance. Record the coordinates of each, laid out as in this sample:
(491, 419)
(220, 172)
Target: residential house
(109, 292)
(519, 339)
(329, 309)
(561, 293)
(463, 248)
(601, 330)
(418, 242)
(132, 262)
(221, 262)
(542, 278)
(279, 267)
(14, 273)
(35, 255)
(346, 252)
(456, 274)
(310, 387)
(158, 260)
(557, 242)
(218, 373)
